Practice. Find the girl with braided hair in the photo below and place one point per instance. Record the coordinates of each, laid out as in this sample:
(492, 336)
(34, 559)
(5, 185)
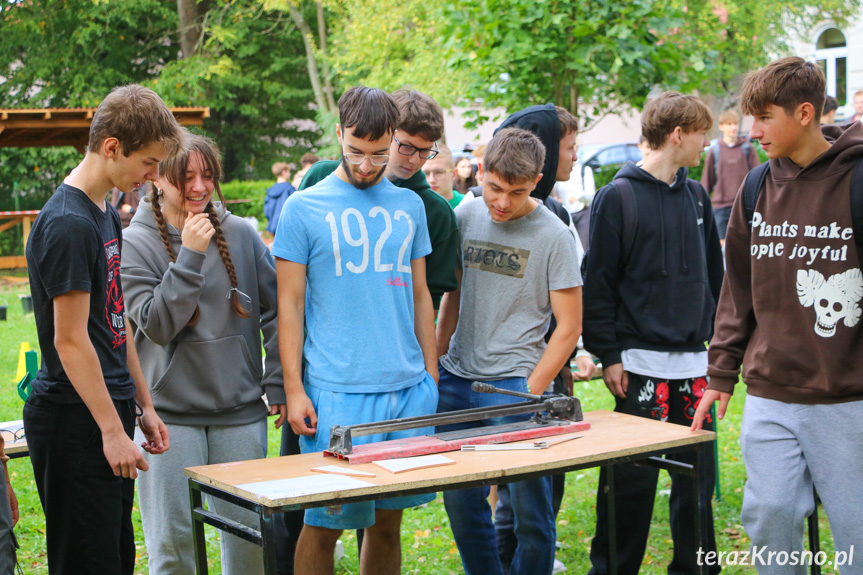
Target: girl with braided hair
(198, 309)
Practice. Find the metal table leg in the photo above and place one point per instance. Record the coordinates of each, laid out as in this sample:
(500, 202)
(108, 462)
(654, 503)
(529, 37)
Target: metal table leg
(198, 530)
(612, 520)
(268, 540)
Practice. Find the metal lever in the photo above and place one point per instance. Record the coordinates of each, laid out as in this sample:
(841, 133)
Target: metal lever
(482, 387)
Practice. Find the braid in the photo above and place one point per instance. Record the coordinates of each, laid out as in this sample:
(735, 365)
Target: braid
(236, 306)
(160, 221)
(163, 233)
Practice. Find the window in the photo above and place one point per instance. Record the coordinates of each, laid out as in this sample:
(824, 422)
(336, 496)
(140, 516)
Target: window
(831, 54)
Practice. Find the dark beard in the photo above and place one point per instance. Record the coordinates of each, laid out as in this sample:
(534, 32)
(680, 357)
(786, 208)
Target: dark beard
(360, 185)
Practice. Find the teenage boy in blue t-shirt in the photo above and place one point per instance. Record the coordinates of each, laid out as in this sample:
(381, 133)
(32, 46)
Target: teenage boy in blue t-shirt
(517, 268)
(350, 262)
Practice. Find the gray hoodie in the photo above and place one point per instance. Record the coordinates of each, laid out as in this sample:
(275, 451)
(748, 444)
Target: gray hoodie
(210, 373)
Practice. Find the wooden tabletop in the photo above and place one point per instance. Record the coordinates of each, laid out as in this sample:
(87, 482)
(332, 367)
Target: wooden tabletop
(611, 435)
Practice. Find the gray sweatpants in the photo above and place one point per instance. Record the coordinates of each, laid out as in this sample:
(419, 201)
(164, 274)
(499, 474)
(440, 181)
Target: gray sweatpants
(786, 448)
(163, 494)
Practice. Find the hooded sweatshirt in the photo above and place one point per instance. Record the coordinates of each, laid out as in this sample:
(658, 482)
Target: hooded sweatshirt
(542, 121)
(210, 373)
(274, 202)
(724, 180)
(663, 297)
(790, 305)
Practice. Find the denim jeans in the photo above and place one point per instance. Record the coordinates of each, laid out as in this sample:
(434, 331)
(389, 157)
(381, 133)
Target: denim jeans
(468, 509)
(722, 215)
(88, 510)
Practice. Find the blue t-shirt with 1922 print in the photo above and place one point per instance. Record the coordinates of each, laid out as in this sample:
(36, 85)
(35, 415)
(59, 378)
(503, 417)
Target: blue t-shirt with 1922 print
(357, 246)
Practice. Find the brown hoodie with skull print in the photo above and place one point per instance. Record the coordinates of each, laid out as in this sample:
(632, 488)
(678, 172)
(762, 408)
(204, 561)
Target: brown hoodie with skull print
(790, 307)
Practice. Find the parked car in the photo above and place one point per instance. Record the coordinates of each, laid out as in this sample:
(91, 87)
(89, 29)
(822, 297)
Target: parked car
(581, 187)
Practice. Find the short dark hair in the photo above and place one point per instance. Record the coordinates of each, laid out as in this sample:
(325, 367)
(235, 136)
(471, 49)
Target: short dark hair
(830, 104)
(568, 122)
(419, 115)
(669, 110)
(370, 112)
(137, 117)
(514, 154)
(787, 83)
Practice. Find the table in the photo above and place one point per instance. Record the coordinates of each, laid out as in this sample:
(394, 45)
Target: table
(612, 438)
(15, 443)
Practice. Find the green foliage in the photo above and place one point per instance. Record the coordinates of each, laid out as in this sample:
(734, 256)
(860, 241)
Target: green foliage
(60, 53)
(741, 35)
(249, 69)
(251, 72)
(589, 57)
(254, 191)
(392, 44)
(28, 177)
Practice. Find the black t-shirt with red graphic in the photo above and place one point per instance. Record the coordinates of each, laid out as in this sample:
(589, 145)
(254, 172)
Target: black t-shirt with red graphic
(74, 246)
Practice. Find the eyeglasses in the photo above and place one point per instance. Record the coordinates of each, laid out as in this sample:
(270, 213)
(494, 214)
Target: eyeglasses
(425, 153)
(436, 173)
(375, 159)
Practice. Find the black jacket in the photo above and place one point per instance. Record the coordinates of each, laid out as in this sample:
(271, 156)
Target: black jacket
(663, 296)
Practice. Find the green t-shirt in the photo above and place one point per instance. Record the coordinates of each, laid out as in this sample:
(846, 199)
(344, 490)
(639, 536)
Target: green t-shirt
(441, 263)
(457, 197)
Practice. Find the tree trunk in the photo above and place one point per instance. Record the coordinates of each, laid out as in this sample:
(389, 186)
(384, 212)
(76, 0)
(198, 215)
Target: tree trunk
(311, 60)
(191, 14)
(322, 42)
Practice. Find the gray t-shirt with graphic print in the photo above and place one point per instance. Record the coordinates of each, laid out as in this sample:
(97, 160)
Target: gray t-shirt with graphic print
(508, 270)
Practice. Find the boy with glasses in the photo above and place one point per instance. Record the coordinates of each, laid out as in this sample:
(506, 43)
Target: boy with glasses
(438, 173)
(350, 259)
(420, 124)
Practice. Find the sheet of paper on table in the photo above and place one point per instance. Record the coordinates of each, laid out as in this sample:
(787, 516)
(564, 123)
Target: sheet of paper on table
(411, 463)
(306, 485)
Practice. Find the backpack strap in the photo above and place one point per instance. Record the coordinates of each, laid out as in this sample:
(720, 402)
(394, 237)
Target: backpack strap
(857, 202)
(714, 149)
(752, 186)
(746, 148)
(630, 218)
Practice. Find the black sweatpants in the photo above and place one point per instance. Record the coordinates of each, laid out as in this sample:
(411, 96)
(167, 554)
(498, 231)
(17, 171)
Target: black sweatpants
(673, 401)
(88, 510)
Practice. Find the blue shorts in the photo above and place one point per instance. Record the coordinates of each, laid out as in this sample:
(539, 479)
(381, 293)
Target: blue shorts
(343, 409)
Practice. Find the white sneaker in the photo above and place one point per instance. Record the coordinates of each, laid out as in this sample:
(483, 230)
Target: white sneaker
(559, 567)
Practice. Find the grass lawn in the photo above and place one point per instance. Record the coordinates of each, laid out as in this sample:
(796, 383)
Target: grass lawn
(427, 542)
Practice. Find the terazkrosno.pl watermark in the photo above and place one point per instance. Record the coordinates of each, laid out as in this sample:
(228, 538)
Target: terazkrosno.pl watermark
(758, 556)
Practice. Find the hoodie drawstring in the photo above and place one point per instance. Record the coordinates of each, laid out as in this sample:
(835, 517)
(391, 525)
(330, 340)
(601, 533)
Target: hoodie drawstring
(683, 228)
(662, 232)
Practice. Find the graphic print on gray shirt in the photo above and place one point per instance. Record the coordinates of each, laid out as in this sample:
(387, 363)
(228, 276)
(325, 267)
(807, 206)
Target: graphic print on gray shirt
(508, 270)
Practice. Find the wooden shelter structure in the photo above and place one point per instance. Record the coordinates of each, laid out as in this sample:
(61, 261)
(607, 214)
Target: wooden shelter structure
(50, 127)
(44, 128)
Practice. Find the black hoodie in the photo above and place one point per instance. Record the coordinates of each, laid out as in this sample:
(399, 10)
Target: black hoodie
(542, 121)
(664, 296)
